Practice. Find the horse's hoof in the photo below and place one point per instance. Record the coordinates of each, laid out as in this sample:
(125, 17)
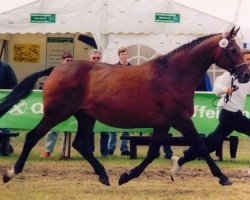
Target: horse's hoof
(175, 168)
(124, 178)
(6, 178)
(104, 180)
(225, 181)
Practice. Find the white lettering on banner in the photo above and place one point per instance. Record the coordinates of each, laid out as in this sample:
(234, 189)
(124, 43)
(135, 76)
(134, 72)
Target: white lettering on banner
(19, 109)
(37, 108)
(203, 111)
(199, 111)
(210, 114)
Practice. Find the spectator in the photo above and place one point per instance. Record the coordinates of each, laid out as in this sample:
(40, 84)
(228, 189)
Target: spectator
(230, 118)
(53, 135)
(123, 60)
(96, 56)
(7, 81)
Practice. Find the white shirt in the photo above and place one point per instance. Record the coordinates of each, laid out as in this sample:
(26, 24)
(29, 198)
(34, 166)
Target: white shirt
(238, 98)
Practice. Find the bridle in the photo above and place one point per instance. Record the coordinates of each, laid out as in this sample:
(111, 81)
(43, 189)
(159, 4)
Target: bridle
(229, 59)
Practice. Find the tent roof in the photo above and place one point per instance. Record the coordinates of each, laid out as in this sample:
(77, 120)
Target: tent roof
(112, 16)
(234, 11)
(7, 5)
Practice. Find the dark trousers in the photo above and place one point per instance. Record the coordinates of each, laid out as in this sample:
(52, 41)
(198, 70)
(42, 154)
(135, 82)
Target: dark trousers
(233, 144)
(104, 143)
(104, 138)
(228, 122)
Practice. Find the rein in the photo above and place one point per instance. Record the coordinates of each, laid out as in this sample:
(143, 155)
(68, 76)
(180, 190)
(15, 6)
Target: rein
(227, 97)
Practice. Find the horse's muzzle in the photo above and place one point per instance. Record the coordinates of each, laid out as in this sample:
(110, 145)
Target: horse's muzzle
(244, 76)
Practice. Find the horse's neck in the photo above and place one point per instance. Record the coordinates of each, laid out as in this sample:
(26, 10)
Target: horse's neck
(197, 61)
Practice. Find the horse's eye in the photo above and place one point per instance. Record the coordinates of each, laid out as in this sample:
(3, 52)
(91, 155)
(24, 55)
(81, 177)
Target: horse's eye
(233, 51)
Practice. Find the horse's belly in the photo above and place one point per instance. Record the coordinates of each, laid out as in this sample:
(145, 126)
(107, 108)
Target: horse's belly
(129, 117)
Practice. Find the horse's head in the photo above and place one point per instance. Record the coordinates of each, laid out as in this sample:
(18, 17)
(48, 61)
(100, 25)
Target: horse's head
(228, 56)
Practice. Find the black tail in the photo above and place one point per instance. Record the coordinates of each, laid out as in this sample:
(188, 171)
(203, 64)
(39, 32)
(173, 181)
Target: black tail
(22, 90)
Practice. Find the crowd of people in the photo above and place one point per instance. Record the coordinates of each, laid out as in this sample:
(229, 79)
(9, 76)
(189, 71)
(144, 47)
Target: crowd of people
(230, 118)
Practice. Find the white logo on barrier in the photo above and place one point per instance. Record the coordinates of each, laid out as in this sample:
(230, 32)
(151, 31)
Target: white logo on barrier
(37, 108)
(19, 109)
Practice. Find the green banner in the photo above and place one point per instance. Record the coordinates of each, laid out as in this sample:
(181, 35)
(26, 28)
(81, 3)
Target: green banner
(28, 112)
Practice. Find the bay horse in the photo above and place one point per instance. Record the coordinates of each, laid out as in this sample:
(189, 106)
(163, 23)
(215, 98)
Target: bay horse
(157, 94)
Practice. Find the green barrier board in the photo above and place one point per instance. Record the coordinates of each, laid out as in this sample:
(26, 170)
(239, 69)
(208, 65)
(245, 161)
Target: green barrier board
(28, 112)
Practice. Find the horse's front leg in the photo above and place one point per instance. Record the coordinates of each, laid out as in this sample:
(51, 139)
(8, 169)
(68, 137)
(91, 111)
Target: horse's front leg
(189, 132)
(151, 155)
(81, 143)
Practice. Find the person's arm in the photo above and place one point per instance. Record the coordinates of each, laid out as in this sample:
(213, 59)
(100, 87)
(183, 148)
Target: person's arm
(222, 84)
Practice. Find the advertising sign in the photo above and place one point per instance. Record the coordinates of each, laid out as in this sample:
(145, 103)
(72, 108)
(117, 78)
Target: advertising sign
(28, 112)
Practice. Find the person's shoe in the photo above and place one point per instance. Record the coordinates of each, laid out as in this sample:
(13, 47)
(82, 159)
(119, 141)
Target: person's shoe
(125, 153)
(175, 168)
(233, 159)
(111, 152)
(104, 155)
(45, 154)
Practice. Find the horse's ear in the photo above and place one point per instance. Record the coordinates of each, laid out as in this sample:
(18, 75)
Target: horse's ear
(236, 31)
(232, 33)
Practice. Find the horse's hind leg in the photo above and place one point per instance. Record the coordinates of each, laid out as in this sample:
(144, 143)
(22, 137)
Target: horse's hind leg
(31, 139)
(81, 141)
(151, 155)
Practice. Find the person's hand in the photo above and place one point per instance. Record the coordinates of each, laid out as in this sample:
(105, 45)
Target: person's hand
(230, 91)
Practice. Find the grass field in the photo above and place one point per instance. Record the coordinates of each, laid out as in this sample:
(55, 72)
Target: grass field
(55, 179)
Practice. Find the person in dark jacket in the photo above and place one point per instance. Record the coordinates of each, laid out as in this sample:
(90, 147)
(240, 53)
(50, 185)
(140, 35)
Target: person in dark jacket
(8, 80)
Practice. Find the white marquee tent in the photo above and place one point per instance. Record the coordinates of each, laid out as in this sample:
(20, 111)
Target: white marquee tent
(159, 24)
(123, 16)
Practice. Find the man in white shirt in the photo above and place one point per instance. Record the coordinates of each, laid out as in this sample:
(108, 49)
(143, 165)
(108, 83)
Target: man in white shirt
(230, 119)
